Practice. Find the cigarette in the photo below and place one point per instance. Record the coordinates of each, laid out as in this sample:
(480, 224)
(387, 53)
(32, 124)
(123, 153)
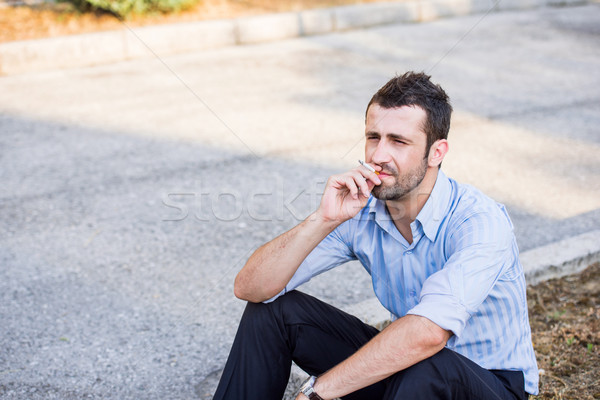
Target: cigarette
(367, 166)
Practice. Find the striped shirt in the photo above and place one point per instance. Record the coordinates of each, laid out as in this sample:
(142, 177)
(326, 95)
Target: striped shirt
(462, 271)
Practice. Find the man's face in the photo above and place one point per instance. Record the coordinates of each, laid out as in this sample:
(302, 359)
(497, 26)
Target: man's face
(395, 141)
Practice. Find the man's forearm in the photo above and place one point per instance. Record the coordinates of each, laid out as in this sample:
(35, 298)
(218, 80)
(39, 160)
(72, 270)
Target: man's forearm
(402, 344)
(272, 265)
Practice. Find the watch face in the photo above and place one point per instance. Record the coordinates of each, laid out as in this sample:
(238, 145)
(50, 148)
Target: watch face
(307, 388)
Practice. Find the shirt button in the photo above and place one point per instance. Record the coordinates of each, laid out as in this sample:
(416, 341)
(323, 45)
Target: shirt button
(408, 252)
(413, 293)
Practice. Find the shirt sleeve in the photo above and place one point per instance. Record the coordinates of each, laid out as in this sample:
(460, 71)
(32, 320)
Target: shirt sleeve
(334, 250)
(480, 250)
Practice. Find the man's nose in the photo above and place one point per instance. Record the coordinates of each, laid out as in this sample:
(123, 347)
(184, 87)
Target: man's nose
(381, 154)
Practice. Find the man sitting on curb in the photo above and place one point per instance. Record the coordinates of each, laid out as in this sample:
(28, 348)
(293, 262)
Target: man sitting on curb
(443, 260)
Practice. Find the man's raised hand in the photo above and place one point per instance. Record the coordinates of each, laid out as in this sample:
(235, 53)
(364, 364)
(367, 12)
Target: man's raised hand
(346, 194)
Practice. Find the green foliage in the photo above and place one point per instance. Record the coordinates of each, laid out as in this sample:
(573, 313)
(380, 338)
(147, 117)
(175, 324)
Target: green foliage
(125, 8)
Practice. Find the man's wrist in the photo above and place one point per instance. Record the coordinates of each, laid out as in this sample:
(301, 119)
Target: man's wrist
(308, 389)
(327, 223)
(318, 386)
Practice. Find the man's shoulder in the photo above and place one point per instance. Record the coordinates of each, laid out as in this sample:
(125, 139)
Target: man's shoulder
(475, 218)
(470, 199)
(467, 201)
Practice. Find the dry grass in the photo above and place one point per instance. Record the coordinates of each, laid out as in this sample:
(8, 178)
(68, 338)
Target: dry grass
(565, 321)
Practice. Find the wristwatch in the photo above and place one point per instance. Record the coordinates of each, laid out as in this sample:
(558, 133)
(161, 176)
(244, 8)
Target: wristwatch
(308, 390)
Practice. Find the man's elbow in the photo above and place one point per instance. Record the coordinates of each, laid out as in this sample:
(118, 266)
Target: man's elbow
(436, 339)
(244, 291)
(431, 339)
(240, 290)
(440, 339)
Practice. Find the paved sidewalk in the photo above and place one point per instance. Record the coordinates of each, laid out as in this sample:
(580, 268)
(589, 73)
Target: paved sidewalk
(133, 192)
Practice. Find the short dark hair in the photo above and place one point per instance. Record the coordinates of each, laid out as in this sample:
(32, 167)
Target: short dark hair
(416, 89)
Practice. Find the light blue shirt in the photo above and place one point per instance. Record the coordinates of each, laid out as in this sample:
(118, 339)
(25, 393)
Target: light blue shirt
(462, 271)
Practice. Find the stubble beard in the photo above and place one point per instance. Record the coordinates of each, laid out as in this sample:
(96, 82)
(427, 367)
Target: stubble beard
(403, 184)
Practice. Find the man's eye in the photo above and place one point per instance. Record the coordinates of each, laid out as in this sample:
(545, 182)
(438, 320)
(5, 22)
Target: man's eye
(399, 142)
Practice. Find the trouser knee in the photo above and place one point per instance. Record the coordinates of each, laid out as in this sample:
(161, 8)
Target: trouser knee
(430, 377)
(449, 375)
(260, 316)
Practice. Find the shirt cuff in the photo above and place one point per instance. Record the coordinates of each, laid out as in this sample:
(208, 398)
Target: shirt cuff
(272, 299)
(443, 310)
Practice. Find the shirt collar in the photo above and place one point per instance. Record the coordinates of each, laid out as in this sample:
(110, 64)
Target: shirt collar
(431, 215)
(378, 212)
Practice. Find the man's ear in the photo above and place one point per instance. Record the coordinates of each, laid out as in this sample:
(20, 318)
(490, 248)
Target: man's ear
(437, 152)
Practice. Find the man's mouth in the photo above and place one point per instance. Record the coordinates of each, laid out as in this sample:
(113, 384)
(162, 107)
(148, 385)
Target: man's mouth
(384, 173)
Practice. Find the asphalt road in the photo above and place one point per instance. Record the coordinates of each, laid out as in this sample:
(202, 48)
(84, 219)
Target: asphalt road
(132, 193)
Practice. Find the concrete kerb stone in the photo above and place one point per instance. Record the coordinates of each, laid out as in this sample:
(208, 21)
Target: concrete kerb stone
(368, 15)
(561, 258)
(267, 27)
(316, 22)
(566, 3)
(164, 39)
(434, 9)
(106, 47)
(506, 5)
(62, 52)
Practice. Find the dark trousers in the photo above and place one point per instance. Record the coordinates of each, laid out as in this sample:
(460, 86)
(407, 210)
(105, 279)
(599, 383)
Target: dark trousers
(316, 336)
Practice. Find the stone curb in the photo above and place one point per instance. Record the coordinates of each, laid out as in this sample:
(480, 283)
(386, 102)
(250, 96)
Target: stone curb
(561, 258)
(107, 47)
(554, 260)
